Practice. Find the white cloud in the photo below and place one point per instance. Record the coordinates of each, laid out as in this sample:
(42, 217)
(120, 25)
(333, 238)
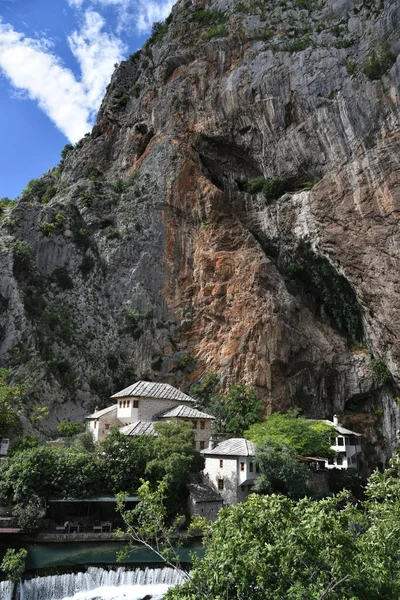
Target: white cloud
(96, 52)
(142, 12)
(33, 69)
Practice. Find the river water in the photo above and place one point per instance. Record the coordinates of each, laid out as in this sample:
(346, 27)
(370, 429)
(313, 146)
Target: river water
(97, 583)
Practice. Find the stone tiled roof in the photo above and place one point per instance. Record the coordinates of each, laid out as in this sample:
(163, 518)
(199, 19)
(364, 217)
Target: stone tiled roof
(232, 447)
(148, 389)
(340, 429)
(139, 428)
(185, 411)
(104, 411)
(203, 493)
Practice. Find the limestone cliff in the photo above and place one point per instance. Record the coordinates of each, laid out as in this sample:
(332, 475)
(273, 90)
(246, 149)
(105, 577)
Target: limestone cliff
(235, 210)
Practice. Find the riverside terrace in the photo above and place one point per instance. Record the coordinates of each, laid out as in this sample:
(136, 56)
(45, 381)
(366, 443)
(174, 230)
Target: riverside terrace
(82, 518)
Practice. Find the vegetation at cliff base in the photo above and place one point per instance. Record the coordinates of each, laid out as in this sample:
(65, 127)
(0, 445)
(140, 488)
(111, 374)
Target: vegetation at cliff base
(10, 396)
(274, 547)
(300, 435)
(236, 410)
(33, 472)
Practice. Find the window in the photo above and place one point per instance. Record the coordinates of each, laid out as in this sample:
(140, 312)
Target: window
(128, 403)
(221, 463)
(242, 466)
(202, 444)
(194, 424)
(107, 425)
(202, 424)
(346, 441)
(136, 404)
(352, 440)
(220, 484)
(94, 424)
(120, 403)
(339, 460)
(331, 461)
(340, 441)
(124, 404)
(251, 467)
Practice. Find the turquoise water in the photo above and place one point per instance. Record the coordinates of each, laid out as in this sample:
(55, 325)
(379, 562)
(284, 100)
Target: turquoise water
(42, 556)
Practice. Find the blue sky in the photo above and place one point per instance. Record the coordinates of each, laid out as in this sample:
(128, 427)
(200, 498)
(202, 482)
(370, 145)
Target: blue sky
(56, 58)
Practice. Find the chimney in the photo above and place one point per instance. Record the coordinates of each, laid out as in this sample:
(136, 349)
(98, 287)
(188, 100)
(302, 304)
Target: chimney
(335, 420)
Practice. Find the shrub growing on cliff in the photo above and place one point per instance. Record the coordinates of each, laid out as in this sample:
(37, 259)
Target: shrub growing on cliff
(274, 188)
(380, 371)
(10, 396)
(378, 62)
(256, 185)
(23, 254)
(329, 291)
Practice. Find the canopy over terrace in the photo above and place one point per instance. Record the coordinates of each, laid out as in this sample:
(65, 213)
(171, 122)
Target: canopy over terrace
(89, 511)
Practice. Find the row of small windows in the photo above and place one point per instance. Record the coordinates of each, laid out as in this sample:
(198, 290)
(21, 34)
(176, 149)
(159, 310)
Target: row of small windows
(127, 404)
(348, 441)
(242, 465)
(202, 445)
(202, 424)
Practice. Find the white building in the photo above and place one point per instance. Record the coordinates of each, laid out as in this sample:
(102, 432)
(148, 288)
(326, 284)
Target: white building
(347, 445)
(230, 468)
(4, 445)
(143, 403)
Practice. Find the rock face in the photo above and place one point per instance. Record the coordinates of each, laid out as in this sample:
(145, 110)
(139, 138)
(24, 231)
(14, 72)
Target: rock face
(161, 256)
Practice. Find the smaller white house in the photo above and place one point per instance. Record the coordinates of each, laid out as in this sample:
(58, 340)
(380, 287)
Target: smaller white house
(4, 446)
(100, 421)
(201, 423)
(230, 468)
(347, 445)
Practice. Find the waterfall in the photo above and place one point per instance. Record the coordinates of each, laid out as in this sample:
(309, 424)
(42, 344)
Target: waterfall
(97, 583)
(5, 590)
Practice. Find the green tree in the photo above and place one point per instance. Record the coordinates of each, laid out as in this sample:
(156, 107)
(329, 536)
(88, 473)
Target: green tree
(303, 436)
(13, 564)
(237, 410)
(68, 429)
(280, 472)
(9, 396)
(174, 460)
(124, 459)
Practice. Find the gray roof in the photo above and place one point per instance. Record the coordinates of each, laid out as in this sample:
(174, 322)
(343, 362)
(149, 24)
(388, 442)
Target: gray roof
(104, 411)
(232, 447)
(203, 493)
(139, 428)
(185, 411)
(148, 389)
(340, 429)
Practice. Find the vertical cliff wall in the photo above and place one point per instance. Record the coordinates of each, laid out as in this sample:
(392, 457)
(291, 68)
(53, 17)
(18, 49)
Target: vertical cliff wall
(235, 210)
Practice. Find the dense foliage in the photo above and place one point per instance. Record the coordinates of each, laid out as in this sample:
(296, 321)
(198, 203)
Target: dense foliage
(273, 547)
(300, 435)
(34, 472)
(9, 397)
(280, 471)
(13, 564)
(237, 410)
